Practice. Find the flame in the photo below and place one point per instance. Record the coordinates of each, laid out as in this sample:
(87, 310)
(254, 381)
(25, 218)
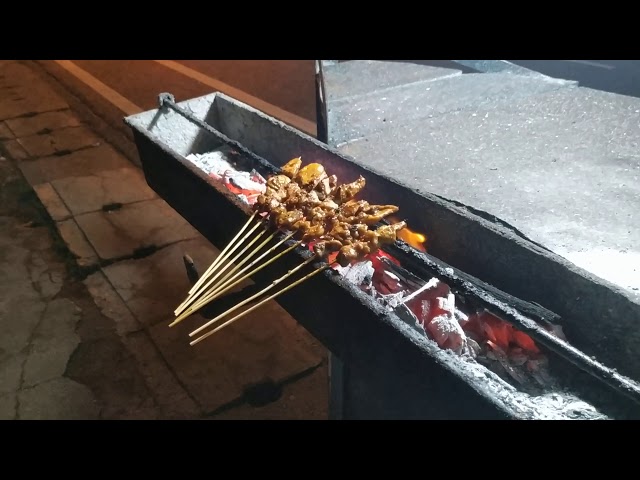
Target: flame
(415, 239)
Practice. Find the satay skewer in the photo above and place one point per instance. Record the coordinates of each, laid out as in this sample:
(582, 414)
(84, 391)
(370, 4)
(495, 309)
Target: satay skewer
(222, 258)
(257, 305)
(205, 275)
(232, 282)
(253, 297)
(211, 284)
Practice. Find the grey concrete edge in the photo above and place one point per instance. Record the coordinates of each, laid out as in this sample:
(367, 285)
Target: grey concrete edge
(495, 66)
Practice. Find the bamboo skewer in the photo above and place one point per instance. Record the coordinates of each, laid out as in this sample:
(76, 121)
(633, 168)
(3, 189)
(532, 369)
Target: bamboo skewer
(257, 305)
(245, 260)
(230, 283)
(213, 295)
(217, 259)
(252, 297)
(220, 260)
(212, 281)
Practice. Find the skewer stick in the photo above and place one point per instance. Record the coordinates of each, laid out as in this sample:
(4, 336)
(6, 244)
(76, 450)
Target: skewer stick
(217, 259)
(248, 257)
(223, 288)
(253, 297)
(257, 305)
(212, 282)
(228, 285)
(222, 258)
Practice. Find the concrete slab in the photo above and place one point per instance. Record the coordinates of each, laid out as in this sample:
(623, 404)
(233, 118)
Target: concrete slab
(43, 122)
(63, 140)
(81, 163)
(154, 286)
(265, 344)
(52, 202)
(60, 399)
(357, 77)
(119, 233)
(562, 167)
(90, 193)
(77, 243)
(379, 110)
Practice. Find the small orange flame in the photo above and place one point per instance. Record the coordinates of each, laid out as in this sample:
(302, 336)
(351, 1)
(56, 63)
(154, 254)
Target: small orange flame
(415, 239)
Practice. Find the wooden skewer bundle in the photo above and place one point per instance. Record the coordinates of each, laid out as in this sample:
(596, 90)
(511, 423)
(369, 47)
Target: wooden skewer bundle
(301, 203)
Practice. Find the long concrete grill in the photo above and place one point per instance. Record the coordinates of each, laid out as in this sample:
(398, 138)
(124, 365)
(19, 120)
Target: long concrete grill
(402, 375)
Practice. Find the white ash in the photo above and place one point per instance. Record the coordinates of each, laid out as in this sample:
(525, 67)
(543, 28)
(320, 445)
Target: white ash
(243, 181)
(358, 274)
(212, 162)
(556, 405)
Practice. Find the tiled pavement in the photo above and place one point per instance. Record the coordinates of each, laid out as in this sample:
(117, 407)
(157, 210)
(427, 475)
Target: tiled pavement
(128, 244)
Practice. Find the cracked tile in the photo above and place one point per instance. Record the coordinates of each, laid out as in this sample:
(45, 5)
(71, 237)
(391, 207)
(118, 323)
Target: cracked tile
(5, 133)
(15, 150)
(31, 95)
(81, 163)
(120, 233)
(304, 399)
(153, 286)
(59, 399)
(267, 343)
(54, 205)
(53, 342)
(172, 399)
(110, 303)
(23, 127)
(66, 139)
(77, 243)
(90, 193)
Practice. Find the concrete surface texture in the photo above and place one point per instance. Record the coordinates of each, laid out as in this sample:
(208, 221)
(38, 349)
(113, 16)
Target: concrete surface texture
(90, 271)
(557, 161)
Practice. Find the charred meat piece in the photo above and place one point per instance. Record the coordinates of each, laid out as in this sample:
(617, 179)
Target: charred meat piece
(287, 219)
(347, 191)
(310, 174)
(292, 167)
(278, 181)
(323, 247)
(340, 231)
(373, 218)
(346, 255)
(315, 231)
(387, 233)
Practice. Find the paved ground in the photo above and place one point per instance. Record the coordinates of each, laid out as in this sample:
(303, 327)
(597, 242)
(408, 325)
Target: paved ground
(91, 268)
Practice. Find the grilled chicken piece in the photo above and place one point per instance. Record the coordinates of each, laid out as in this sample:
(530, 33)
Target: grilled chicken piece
(377, 215)
(278, 181)
(286, 220)
(326, 246)
(347, 191)
(292, 167)
(387, 233)
(310, 174)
